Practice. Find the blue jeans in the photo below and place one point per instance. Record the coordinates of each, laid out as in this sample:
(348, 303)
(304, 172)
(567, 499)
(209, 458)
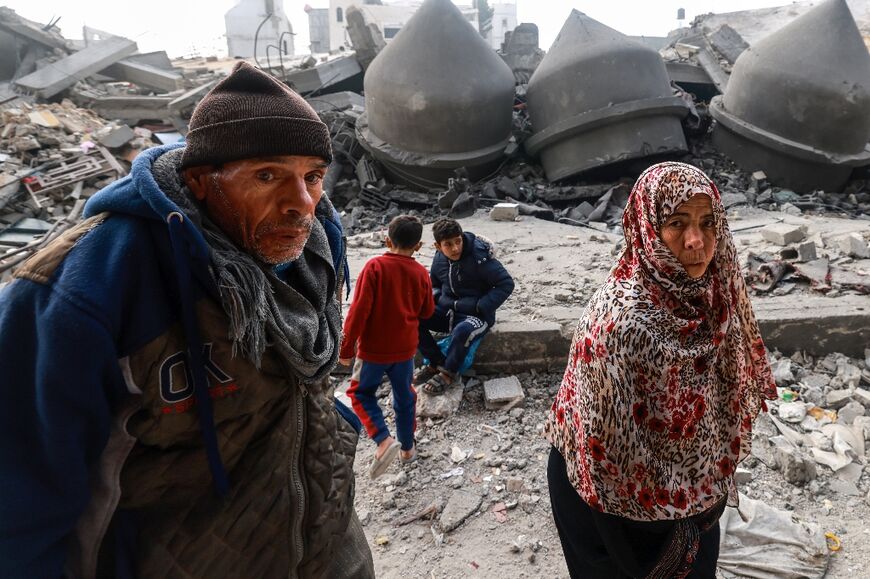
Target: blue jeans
(363, 395)
(464, 329)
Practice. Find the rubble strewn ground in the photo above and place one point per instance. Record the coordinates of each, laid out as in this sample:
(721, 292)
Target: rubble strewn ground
(490, 467)
(476, 503)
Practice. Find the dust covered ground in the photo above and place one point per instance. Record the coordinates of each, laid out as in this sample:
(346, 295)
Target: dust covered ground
(512, 534)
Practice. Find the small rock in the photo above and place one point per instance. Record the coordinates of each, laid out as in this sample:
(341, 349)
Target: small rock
(782, 373)
(793, 412)
(442, 405)
(806, 251)
(743, 476)
(461, 505)
(844, 487)
(850, 412)
(854, 245)
(514, 485)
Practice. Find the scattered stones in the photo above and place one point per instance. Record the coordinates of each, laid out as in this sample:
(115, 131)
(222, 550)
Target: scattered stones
(461, 505)
(782, 233)
(501, 392)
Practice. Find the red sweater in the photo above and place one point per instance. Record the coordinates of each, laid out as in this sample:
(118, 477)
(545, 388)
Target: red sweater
(392, 294)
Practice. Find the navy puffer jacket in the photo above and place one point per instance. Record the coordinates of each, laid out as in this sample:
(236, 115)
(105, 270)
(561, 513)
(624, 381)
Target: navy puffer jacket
(475, 285)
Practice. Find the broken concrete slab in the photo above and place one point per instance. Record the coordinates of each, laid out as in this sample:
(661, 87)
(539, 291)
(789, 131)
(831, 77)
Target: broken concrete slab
(850, 412)
(783, 233)
(27, 29)
(332, 73)
(502, 392)
(441, 405)
(461, 505)
(50, 80)
(131, 109)
(118, 137)
(816, 325)
(158, 59)
(806, 251)
(728, 43)
(520, 346)
(854, 245)
(144, 75)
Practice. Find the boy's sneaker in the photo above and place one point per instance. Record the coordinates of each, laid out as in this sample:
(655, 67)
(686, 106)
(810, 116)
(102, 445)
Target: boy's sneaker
(424, 374)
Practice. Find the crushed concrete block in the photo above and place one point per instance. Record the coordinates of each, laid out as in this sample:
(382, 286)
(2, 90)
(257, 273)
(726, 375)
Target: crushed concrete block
(782, 373)
(815, 381)
(500, 392)
(461, 505)
(806, 251)
(782, 233)
(850, 412)
(862, 396)
(793, 412)
(844, 487)
(441, 405)
(505, 212)
(854, 245)
(793, 465)
(743, 476)
(44, 118)
(836, 399)
(118, 137)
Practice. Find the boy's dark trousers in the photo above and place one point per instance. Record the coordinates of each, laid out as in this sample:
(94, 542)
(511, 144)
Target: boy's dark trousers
(363, 394)
(464, 330)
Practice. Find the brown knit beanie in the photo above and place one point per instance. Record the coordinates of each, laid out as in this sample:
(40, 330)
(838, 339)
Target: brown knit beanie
(250, 114)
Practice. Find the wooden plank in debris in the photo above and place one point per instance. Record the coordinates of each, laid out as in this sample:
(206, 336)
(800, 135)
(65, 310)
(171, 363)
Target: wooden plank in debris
(144, 75)
(58, 76)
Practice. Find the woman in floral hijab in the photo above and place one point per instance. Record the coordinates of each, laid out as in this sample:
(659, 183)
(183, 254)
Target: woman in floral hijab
(666, 373)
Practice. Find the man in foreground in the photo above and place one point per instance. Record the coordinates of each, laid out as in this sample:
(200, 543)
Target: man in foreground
(165, 365)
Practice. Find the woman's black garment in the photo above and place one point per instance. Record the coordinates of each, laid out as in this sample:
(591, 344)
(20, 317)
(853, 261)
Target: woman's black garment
(600, 545)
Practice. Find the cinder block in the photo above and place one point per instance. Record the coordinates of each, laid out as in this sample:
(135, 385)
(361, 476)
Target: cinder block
(783, 233)
(505, 212)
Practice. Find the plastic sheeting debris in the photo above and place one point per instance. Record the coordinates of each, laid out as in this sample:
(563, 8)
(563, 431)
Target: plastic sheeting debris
(769, 544)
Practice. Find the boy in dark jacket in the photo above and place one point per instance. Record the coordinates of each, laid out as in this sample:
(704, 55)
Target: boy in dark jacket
(392, 294)
(469, 286)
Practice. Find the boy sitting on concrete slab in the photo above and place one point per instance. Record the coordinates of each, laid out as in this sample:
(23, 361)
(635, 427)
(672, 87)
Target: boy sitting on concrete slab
(469, 284)
(392, 294)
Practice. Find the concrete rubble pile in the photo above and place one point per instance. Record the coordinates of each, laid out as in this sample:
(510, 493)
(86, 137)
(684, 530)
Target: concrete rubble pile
(436, 123)
(818, 431)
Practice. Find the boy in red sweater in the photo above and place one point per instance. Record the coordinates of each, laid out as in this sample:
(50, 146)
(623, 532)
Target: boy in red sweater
(392, 294)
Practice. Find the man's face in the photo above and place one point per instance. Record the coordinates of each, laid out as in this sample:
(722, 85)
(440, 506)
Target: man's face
(265, 205)
(451, 247)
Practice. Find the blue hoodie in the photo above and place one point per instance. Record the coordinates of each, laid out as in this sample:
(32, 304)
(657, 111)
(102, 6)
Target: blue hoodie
(62, 334)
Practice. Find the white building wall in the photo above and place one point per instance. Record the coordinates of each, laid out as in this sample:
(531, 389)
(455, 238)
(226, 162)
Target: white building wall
(389, 18)
(504, 19)
(242, 21)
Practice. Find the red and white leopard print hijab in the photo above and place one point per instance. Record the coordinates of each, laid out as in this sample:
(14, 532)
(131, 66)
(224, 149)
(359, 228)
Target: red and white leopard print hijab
(666, 372)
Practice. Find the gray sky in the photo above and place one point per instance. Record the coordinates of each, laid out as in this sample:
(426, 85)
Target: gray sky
(184, 27)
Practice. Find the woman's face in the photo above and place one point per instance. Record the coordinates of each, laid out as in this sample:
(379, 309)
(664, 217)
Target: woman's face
(690, 234)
